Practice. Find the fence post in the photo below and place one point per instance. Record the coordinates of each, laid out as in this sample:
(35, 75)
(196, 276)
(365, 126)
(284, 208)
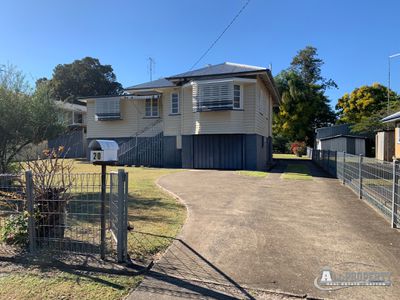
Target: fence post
(103, 212)
(110, 200)
(394, 194)
(327, 163)
(125, 225)
(344, 167)
(121, 217)
(30, 207)
(336, 174)
(360, 176)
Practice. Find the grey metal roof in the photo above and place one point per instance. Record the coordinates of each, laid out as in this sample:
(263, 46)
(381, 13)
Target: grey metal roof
(224, 68)
(335, 131)
(212, 70)
(343, 135)
(391, 118)
(159, 83)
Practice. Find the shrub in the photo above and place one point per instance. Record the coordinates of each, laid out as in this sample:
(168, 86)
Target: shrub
(298, 147)
(15, 230)
(279, 144)
(52, 183)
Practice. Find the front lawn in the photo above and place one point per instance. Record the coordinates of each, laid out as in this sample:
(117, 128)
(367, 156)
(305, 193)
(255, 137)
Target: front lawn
(152, 213)
(288, 156)
(297, 172)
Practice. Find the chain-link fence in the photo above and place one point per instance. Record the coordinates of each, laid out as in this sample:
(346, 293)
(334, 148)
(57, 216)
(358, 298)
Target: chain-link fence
(373, 180)
(64, 213)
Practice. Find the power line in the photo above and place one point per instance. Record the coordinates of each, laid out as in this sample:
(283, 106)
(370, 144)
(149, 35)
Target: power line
(222, 33)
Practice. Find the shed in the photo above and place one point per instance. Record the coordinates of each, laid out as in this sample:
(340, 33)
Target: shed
(394, 146)
(340, 138)
(343, 143)
(384, 145)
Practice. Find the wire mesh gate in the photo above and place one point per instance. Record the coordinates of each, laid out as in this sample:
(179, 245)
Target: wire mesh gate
(63, 213)
(119, 212)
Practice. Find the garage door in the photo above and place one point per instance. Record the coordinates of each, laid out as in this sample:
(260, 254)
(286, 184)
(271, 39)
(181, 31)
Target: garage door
(218, 151)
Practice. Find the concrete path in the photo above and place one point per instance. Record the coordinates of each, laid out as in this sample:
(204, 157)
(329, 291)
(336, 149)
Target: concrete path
(245, 235)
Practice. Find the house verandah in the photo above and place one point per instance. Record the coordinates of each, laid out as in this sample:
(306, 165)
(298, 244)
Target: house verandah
(217, 117)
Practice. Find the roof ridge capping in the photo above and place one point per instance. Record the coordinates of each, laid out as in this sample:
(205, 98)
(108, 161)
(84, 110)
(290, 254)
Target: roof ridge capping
(245, 66)
(219, 69)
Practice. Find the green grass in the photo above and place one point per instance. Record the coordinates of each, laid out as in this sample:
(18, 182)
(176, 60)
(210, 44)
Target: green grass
(377, 181)
(253, 173)
(150, 210)
(297, 172)
(62, 285)
(288, 156)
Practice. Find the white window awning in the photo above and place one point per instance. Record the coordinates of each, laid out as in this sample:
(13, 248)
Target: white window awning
(143, 95)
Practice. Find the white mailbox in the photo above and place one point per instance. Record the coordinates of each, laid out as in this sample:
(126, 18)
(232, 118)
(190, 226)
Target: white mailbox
(103, 151)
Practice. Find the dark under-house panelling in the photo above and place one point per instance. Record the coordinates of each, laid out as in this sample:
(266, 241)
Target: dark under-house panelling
(218, 151)
(172, 155)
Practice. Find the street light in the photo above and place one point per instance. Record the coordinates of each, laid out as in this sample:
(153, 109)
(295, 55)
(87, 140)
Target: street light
(388, 95)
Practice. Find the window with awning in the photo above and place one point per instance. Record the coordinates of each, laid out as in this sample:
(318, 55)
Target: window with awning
(216, 95)
(108, 109)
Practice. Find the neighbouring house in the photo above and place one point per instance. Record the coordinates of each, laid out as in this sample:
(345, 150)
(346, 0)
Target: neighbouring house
(339, 138)
(73, 116)
(218, 117)
(388, 141)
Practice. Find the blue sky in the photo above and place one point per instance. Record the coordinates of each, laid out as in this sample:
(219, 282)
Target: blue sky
(354, 38)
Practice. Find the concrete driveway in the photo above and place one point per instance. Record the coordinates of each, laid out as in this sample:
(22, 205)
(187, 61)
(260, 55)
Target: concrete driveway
(246, 237)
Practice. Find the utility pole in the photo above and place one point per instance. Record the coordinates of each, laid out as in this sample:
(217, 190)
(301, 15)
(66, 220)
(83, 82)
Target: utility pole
(151, 67)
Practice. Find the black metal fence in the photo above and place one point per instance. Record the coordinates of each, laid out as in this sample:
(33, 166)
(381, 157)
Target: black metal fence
(64, 213)
(373, 180)
(144, 151)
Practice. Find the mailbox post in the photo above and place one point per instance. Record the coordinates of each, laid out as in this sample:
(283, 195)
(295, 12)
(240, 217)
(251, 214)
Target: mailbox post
(103, 153)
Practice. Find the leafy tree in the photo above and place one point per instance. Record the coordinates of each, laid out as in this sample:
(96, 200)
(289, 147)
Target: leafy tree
(42, 80)
(363, 103)
(368, 125)
(85, 77)
(305, 106)
(25, 117)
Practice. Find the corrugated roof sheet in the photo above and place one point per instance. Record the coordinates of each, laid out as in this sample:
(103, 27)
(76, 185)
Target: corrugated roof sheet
(224, 68)
(343, 135)
(220, 69)
(335, 131)
(391, 118)
(162, 82)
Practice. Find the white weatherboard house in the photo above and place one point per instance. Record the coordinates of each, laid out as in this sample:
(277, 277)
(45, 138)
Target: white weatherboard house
(219, 117)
